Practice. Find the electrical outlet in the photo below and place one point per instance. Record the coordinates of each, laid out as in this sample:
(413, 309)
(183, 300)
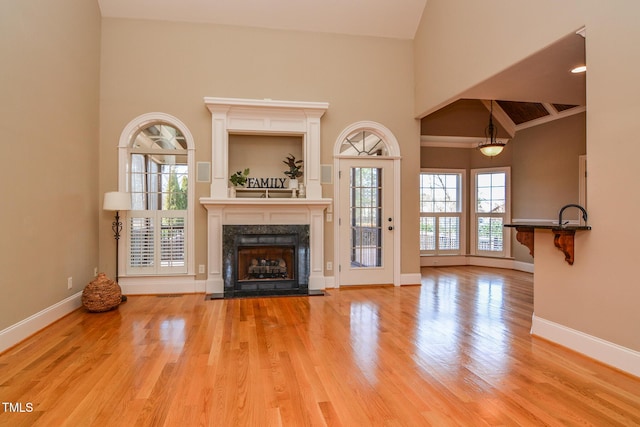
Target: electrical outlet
(329, 266)
(329, 217)
(95, 271)
(69, 282)
(201, 269)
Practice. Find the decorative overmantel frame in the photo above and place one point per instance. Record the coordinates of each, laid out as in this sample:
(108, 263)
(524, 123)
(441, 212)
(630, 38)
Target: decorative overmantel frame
(264, 117)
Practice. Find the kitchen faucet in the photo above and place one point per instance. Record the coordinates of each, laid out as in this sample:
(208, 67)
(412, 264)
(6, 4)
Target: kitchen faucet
(584, 213)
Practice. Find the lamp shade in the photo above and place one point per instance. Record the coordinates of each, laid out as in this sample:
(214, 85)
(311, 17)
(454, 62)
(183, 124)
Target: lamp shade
(116, 201)
(491, 150)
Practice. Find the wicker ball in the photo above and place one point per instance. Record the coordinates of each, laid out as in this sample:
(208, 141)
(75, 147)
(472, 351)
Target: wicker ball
(102, 294)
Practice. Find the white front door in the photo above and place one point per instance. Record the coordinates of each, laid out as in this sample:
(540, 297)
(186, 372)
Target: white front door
(366, 221)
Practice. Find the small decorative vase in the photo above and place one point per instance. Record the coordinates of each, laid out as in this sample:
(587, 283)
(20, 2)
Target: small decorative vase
(293, 183)
(102, 294)
(232, 192)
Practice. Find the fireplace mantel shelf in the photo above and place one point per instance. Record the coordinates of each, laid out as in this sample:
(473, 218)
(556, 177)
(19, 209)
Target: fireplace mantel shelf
(248, 201)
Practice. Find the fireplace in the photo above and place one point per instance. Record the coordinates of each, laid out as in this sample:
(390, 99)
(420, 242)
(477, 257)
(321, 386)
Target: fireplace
(244, 227)
(265, 260)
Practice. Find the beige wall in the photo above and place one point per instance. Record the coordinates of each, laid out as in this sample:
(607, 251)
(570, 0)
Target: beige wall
(169, 67)
(49, 121)
(263, 155)
(545, 168)
(598, 295)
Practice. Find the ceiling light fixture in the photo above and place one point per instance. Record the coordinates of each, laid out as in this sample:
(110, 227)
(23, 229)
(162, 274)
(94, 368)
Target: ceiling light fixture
(580, 69)
(491, 146)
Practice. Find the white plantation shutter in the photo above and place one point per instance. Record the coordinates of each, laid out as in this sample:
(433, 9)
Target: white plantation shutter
(157, 249)
(172, 241)
(141, 243)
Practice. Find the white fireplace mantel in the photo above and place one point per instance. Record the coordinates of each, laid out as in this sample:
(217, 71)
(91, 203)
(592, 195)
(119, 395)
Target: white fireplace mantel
(264, 117)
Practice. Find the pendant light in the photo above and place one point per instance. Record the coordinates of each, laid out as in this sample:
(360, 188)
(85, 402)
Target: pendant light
(491, 146)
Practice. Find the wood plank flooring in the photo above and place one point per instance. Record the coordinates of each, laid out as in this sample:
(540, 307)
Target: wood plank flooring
(455, 351)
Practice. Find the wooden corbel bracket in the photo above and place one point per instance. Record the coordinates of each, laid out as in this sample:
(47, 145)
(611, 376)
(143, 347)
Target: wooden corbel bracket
(563, 239)
(525, 235)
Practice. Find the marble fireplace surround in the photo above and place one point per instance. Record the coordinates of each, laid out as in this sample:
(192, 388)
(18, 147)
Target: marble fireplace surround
(235, 237)
(264, 117)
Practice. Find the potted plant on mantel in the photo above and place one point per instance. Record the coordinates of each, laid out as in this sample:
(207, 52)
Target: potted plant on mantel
(238, 179)
(295, 170)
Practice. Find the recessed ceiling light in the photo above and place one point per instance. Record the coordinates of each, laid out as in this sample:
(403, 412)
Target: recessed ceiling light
(580, 69)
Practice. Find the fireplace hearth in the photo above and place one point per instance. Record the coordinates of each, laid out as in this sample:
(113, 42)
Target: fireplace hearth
(265, 260)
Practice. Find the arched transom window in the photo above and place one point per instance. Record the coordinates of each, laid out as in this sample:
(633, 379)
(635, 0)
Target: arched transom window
(363, 143)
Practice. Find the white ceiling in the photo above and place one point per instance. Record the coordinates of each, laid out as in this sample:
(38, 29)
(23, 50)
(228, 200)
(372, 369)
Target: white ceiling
(382, 18)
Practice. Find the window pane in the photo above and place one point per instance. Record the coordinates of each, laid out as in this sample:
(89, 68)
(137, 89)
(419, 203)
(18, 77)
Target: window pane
(484, 180)
(497, 206)
(449, 233)
(363, 143)
(497, 179)
(160, 136)
(452, 207)
(490, 234)
(138, 182)
(491, 192)
(442, 190)
(497, 193)
(428, 233)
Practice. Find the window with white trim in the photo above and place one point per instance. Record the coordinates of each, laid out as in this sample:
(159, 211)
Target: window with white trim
(441, 212)
(491, 210)
(158, 182)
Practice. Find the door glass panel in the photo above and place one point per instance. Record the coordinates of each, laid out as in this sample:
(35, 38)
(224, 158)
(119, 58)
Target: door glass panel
(366, 217)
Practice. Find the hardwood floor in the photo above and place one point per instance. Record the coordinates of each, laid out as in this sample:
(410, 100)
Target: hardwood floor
(454, 351)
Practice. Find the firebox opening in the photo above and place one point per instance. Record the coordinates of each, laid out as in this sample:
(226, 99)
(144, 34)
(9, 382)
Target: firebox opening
(261, 263)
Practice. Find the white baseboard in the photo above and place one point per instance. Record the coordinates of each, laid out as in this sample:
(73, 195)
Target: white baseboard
(603, 351)
(161, 285)
(456, 260)
(523, 266)
(32, 324)
(329, 282)
(410, 279)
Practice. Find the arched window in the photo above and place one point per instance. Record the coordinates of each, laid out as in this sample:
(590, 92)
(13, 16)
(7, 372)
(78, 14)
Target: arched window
(155, 159)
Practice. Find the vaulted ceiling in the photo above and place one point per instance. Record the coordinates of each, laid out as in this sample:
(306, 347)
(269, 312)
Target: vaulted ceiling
(538, 89)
